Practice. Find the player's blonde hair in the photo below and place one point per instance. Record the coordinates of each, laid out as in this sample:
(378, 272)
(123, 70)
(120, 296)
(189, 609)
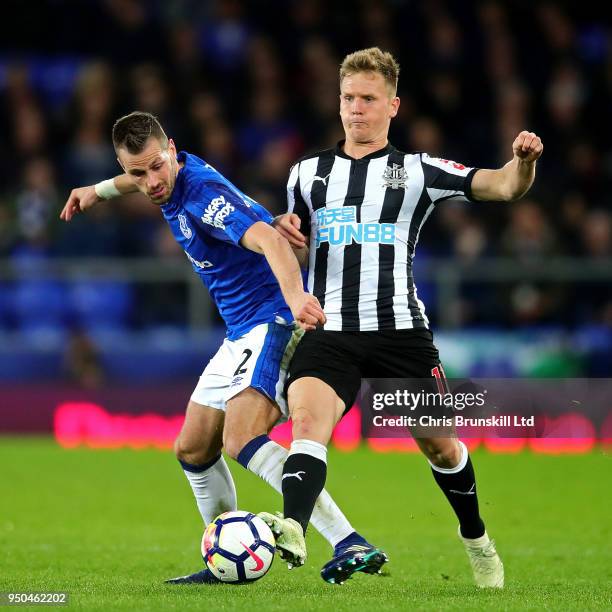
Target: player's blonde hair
(372, 60)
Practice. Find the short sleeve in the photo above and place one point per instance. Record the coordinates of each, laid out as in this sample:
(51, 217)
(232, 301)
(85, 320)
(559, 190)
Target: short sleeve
(295, 200)
(224, 213)
(446, 179)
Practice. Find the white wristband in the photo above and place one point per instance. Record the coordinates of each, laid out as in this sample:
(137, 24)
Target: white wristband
(106, 189)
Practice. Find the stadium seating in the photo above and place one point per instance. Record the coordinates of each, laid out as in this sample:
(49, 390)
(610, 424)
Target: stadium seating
(38, 308)
(101, 306)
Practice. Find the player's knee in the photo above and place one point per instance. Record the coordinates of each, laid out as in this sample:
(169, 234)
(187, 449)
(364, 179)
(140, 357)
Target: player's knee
(188, 453)
(235, 441)
(178, 450)
(305, 424)
(447, 455)
(231, 445)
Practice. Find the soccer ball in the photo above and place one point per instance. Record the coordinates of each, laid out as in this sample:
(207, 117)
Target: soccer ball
(238, 547)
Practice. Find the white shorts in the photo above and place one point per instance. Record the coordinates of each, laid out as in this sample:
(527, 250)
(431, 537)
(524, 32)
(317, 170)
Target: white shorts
(259, 359)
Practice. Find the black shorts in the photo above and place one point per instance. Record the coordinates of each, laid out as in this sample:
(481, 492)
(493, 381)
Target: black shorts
(341, 359)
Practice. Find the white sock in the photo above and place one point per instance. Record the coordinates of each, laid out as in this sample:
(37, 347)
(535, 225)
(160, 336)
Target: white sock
(213, 487)
(265, 458)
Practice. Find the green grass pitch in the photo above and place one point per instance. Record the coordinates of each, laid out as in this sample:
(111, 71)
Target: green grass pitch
(110, 526)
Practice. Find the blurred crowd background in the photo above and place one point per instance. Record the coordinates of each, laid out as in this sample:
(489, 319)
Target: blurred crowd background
(252, 86)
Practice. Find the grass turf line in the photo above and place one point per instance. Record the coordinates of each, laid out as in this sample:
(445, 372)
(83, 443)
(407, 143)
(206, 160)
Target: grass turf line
(110, 526)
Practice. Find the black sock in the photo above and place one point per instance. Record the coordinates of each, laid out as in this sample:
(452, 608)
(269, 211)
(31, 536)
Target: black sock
(460, 490)
(303, 480)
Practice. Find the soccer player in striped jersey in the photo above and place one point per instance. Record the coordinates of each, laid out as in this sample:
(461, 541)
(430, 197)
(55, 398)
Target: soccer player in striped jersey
(355, 212)
(255, 280)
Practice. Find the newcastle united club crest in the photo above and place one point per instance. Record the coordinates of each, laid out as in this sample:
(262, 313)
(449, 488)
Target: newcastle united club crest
(395, 176)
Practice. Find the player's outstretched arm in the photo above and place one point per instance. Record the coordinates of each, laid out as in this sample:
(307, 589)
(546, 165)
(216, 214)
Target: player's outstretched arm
(288, 226)
(82, 199)
(262, 238)
(516, 177)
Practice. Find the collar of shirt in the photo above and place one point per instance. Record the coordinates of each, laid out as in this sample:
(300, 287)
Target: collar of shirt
(380, 153)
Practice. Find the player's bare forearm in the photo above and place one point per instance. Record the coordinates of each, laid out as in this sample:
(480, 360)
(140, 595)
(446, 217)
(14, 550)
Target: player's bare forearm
(519, 177)
(125, 184)
(515, 179)
(82, 199)
(261, 238)
(506, 184)
(288, 226)
(286, 269)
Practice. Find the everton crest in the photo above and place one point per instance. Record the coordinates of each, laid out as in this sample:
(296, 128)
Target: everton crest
(395, 176)
(184, 227)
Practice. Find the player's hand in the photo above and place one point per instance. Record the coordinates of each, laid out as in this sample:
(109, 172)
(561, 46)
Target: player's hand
(527, 146)
(288, 226)
(80, 200)
(307, 311)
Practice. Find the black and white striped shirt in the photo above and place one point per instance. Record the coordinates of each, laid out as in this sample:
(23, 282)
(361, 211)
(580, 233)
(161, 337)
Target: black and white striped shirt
(364, 217)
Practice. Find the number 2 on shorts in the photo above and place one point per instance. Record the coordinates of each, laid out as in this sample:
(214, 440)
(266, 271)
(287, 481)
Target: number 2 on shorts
(240, 369)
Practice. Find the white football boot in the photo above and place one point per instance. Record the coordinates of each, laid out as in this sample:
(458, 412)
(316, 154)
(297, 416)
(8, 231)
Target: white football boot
(289, 536)
(486, 565)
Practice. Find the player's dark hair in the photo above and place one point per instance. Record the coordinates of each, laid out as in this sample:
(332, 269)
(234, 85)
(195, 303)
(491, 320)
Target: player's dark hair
(372, 60)
(132, 131)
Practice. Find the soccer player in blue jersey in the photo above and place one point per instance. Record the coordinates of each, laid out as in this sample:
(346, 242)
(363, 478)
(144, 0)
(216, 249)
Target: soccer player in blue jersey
(255, 280)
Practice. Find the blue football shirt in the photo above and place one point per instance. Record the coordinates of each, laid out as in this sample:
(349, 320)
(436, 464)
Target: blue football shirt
(208, 216)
